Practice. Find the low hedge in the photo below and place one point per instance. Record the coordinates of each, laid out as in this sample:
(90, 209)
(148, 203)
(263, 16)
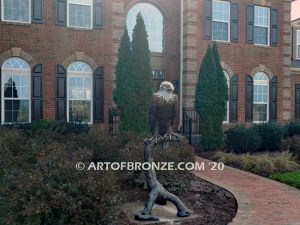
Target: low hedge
(241, 139)
(293, 128)
(59, 127)
(258, 138)
(271, 134)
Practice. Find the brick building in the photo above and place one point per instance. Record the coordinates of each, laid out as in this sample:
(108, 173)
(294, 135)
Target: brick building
(58, 58)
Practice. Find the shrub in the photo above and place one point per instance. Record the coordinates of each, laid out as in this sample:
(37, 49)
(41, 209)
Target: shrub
(271, 135)
(59, 127)
(261, 164)
(241, 139)
(293, 145)
(40, 185)
(284, 162)
(264, 166)
(293, 128)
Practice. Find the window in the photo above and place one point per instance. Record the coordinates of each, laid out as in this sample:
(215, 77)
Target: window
(154, 23)
(79, 92)
(260, 97)
(298, 44)
(220, 20)
(261, 25)
(158, 74)
(16, 91)
(80, 13)
(226, 118)
(16, 10)
(297, 101)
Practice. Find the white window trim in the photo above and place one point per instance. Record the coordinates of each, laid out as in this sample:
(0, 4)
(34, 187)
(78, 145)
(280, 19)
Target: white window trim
(222, 21)
(263, 83)
(268, 27)
(130, 31)
(13, 21)
(81, 2)
(80, 74)
(298, 44)
(228, 85)
(13, 71)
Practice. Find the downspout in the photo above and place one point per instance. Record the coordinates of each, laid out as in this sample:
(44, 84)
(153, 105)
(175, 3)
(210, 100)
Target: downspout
(181, 66)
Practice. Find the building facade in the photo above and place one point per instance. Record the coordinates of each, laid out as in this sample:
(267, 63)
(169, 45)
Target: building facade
(58, 58)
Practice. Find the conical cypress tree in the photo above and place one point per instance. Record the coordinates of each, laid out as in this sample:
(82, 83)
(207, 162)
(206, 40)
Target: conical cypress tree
(206, 100)
(222, 96)
(142, 74)
(123, 93)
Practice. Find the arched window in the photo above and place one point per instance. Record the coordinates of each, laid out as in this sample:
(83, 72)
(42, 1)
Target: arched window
(79, 92)
(154, 23)
(260, 97)
(15, 91)
(226, 119)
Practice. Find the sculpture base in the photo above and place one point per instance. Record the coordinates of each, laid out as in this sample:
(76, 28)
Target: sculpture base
(166, 213)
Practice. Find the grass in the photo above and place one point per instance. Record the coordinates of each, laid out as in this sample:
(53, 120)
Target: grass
(291, 178)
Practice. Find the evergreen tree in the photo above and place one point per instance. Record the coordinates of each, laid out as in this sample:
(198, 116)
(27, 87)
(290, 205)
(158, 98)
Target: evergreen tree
(123, 93)
(210, 100)
(142, 74)
(222, 93)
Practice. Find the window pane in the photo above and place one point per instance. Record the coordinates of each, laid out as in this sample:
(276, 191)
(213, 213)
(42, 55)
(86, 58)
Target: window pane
(154, 23)
(220, 31)
(80, 16)
(298, 52)
(221, 11)
(260, 112)
(16, 110)
(80, 111)
(16, 10)
(261, 16)
(260, 94)
(261, 35)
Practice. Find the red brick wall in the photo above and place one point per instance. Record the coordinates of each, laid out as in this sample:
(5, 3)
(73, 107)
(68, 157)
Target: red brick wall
(242, 58)
(50, 44)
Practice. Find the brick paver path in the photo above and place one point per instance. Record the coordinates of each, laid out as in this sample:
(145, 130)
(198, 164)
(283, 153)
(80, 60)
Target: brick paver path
(261, 201)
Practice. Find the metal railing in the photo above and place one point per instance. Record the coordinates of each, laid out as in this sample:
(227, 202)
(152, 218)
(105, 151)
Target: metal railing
(190, 123)
(113, 121)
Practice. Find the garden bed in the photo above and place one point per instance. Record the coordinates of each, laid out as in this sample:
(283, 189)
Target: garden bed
(212, 204)
(39, 183)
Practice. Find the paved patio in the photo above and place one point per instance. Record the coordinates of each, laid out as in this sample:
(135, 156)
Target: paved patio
(261, 201)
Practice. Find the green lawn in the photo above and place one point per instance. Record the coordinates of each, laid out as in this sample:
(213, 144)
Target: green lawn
(292, 178)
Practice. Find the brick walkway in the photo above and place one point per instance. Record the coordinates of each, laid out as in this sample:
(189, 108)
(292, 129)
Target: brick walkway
(261, 201)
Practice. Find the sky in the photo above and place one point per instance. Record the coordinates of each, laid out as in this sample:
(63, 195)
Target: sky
(296, 10)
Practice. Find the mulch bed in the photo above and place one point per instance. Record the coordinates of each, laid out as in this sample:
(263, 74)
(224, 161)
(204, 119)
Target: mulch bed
(214, 205)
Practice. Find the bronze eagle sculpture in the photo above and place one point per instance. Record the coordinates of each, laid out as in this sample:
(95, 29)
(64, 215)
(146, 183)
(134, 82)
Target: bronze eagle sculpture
(163, 112)
(162, 117)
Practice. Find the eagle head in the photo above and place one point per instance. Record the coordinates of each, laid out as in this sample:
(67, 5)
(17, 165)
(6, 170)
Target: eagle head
(166, 86)
(165, 93)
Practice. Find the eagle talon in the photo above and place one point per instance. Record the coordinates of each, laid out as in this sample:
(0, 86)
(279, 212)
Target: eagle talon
(157, 138)
(171, 136)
